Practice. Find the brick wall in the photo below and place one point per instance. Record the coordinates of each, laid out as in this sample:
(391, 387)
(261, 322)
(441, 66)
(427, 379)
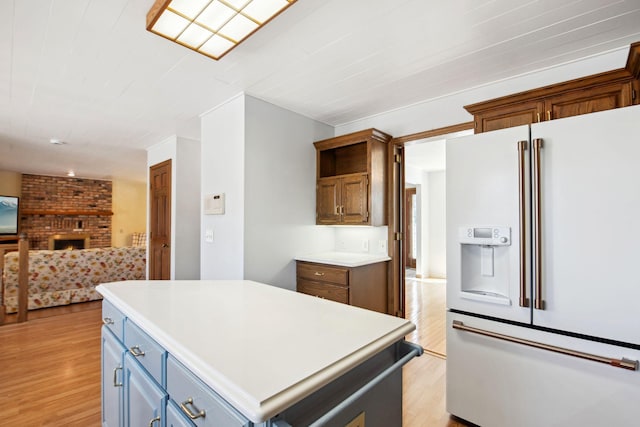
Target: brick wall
(61, 194)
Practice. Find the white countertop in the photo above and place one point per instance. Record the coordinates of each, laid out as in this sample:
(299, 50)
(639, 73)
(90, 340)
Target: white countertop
(345, 259)
(260, 347)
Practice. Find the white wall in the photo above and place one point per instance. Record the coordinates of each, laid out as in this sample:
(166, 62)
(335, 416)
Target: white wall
(448, 110)
(436, 234)
(185, 230)
(222, 162)
(129, 201)
(280, 192)
(186, 200)
(352, 239)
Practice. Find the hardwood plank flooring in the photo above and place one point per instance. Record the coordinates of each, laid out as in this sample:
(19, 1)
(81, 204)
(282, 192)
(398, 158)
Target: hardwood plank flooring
(50, 374)
(50, 370)
(426, 307)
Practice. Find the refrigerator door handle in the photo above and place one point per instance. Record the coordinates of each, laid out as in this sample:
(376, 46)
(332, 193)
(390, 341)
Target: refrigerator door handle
(623, 363)
(522, 147)
(539, 303)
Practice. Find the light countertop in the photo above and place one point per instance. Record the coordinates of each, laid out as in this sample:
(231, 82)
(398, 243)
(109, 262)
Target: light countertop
(260, 347)
(345, 259)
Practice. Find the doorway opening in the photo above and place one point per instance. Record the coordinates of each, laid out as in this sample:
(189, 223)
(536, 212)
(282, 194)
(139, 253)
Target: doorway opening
(425, 242)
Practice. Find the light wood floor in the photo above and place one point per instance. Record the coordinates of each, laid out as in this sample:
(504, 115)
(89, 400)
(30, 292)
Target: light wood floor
(50, 373)
(426, 307)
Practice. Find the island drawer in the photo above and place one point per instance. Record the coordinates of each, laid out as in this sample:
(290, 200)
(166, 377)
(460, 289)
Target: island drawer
(324, 290)
(145, 350)
(198, 402)
(113, 319)
(323, 273)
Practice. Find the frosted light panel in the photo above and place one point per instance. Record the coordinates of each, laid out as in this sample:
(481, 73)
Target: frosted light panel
(262, 10)
(211, 27)
(189, 8)
(194, 36)
(215, 15)
(170, 25)
(216, 46)
(238, 28)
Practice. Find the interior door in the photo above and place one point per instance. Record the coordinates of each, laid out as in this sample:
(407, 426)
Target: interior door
(160, 221)
(484, 191)
(590, 205)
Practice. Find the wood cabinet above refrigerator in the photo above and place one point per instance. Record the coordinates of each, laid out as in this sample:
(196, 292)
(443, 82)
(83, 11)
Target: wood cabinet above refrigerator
(598, 92)
(351, 172)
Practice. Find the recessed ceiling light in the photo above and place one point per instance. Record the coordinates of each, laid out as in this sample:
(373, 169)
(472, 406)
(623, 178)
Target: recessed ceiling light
(211, 27)
(71, 173)
(56, 141)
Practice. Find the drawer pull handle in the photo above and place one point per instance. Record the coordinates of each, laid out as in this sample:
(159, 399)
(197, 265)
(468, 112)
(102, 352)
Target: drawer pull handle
(115, 376)
(135, 350)
(317, 273)
(197, 413)
(153, 421)
(107, 321)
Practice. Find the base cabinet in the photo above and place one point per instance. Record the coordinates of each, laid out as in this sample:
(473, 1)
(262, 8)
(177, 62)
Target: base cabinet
(112, 376)
(144, 399)
(364, 286)
(134, 397)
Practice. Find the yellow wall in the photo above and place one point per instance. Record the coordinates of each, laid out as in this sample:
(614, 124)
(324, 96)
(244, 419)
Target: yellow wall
(10, 183)
(129, 211)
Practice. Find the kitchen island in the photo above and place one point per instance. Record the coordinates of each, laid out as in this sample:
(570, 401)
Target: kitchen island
(249, 354)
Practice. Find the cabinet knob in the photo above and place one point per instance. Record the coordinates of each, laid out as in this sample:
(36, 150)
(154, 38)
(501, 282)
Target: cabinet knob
(107, 321)
(153, 421)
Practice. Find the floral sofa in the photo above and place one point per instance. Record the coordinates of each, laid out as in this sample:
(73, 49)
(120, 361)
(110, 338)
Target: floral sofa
(63, 277)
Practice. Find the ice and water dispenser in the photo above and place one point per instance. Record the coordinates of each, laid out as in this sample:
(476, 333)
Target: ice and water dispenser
(485, 263)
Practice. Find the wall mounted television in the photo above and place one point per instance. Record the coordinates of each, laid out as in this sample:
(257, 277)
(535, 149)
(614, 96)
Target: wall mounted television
(9, 208)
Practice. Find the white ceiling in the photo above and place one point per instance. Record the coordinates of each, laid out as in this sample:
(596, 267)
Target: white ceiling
(87, 71)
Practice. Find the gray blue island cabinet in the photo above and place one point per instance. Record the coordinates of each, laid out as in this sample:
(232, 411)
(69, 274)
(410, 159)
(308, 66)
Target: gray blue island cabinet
(238, 353)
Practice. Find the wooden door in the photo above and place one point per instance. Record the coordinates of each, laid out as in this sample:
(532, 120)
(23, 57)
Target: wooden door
(410, 224)
(355, 203)
(160, 221)
(328, 201)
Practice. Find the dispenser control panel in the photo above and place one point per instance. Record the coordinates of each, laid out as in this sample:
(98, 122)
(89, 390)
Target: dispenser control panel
(485, 235)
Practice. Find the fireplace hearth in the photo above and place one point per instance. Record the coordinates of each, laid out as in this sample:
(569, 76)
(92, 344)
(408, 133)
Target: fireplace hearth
(68, 242)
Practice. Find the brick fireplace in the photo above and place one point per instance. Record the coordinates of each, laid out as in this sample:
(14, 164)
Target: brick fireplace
(71, 209)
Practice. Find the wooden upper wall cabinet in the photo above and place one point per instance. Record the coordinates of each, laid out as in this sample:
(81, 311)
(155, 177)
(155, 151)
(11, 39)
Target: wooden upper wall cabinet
(599, 92)
(351, 172)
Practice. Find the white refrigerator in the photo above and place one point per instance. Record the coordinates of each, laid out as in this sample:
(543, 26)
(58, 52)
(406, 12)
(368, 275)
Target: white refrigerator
(543, 289)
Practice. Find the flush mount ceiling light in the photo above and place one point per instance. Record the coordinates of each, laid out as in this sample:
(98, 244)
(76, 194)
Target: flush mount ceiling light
(211, 27)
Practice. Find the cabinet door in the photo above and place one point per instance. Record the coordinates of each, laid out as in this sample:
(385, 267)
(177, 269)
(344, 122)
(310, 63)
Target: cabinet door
(145, 401)
(328, 201)
(523, 113)
(175, 417)
(112, 380)
(355, 200)
(585, 101)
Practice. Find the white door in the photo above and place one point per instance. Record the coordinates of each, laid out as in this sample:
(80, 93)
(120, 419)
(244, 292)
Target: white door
(590, 230)
(483, 192)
